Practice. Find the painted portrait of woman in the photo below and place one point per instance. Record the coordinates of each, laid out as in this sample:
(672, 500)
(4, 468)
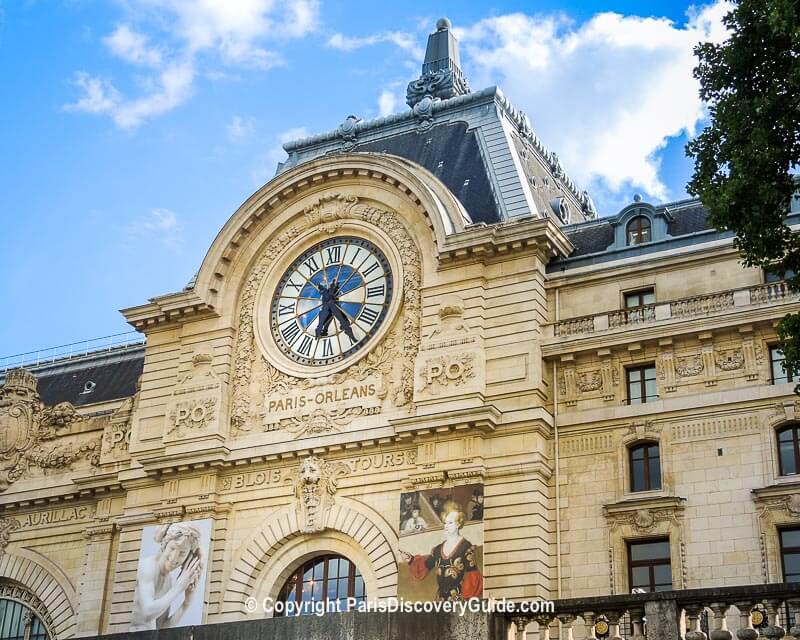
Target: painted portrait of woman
(453, 560)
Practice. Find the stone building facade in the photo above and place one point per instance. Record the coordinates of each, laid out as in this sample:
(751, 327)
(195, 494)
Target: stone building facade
(603, 383)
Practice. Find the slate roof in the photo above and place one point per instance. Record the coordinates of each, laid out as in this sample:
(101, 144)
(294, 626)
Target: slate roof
(452, 154)
(596, 236)
(114, 374)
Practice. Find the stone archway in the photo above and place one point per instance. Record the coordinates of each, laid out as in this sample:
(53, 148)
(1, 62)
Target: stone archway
(351, 529)
(54, 596)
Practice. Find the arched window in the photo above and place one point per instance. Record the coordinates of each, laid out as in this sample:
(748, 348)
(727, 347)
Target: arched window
(323, 578)
(638, 230)
(645, 466)
(789, 449)
(18, 622)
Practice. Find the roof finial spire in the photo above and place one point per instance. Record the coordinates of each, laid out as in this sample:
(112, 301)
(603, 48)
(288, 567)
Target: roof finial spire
(441, 71)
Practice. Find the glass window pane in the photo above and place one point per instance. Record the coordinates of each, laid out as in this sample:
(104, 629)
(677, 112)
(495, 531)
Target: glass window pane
(649, 297)
(359, 586)
(790, 538)
(637, 453)
(333, 568)
(634, 375)
(655, 473)
(791, 563)
(663, 574)
(637, 475)
(309, 572)
(650, 373)
(787, 435)
(786, 450)
(316, 593)
(640, 577)
(319, 568)
(651, 392)
(650, 550)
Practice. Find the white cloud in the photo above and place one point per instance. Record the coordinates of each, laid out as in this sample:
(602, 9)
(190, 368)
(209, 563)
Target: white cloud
(159, 224)
(406, 41)
(606, 95)
(265, 169)
(240, 128)
(188, 35)
(129, 45)
(387, 102)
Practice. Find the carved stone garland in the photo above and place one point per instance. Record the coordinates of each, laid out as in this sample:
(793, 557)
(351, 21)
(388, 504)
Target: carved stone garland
(325, 216)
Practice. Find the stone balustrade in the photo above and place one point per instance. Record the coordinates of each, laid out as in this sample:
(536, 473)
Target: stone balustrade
(692, 307)
(724, 613)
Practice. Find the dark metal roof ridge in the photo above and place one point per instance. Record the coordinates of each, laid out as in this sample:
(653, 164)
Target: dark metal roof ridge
(644, 248)
(368, 125)
(125, 352)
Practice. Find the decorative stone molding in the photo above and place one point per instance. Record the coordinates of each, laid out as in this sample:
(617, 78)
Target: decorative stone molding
(367, 534)
(589, 381)
(644, 518)
(24, 596)
(26, 425)
(451, 360)
(456, 369)
(730, 359)
(7, 525)
(776, 506)
(667, 368)
(198, 405)
(315, 484)
(348, 132)
(192, 415)
(255, 379)
(117, 433)
(689, 366)
(584, 444)
(715, 427)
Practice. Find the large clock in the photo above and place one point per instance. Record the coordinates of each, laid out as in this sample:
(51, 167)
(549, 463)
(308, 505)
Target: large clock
(331, 300)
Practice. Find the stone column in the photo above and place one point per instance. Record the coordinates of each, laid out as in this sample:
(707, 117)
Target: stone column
(91, 592)
(662, 619)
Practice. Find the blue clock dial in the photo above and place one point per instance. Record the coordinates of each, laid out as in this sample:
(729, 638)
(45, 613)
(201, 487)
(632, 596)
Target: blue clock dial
(331, 300)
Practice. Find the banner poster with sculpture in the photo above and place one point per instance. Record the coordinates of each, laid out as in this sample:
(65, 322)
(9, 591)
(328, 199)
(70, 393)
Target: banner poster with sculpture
(171, 575)
(441, 544)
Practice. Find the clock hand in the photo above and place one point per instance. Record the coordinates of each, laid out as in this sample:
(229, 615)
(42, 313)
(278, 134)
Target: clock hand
(324, 320)
(344, 323)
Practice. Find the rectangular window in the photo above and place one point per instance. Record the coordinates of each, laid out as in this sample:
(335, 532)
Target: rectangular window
(641, 384)
(639, 298)
(649, 566)
(790, 554)
(779, 374)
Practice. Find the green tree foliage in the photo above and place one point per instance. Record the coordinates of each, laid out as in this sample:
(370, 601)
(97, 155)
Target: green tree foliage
(744, 160)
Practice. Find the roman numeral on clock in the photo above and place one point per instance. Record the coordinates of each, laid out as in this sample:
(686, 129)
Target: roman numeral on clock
(311, 265)
(290, 332)
(285, 309)
(305, 345)
(368, 315)
(334, 254)
(296, 287)
(372, 268)
(327, 348)
(376, 291)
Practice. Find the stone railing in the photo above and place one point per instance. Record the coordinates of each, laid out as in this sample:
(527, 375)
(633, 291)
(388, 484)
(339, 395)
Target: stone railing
(745, 613)
(691, 307)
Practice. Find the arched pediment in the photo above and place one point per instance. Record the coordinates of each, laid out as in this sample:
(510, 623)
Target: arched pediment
(394, 180)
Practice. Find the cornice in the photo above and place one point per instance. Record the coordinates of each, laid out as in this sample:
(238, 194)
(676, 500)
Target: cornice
(169, 310)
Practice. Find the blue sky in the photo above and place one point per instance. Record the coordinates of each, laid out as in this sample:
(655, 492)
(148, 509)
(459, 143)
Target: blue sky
(130, 131)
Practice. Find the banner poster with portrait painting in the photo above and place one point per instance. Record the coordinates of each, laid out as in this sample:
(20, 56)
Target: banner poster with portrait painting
(171, 575)
(441, 544)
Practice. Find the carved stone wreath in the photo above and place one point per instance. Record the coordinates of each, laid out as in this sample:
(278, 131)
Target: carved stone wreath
(326, 215)
(689, 366)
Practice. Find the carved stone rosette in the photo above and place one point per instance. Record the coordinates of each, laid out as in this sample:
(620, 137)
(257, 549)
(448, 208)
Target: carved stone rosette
(389, 365)
(27, 427)
(315, 483)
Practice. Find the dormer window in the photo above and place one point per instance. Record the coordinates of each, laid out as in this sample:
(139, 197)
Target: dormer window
(638, 230)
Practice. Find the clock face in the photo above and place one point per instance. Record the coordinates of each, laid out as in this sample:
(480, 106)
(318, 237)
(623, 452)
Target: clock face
(331, 300)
